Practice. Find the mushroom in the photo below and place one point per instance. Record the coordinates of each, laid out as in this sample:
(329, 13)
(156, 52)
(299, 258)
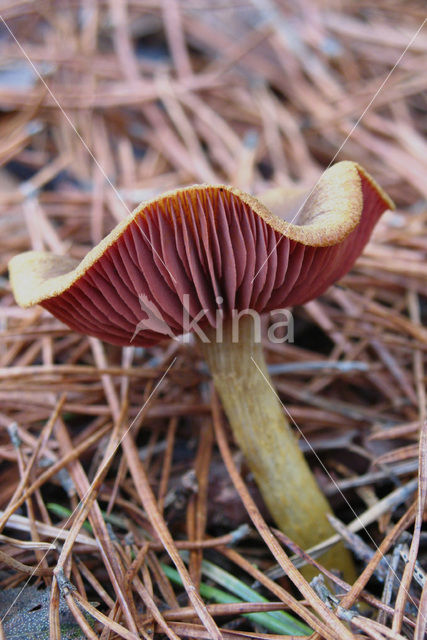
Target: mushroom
(196, 259)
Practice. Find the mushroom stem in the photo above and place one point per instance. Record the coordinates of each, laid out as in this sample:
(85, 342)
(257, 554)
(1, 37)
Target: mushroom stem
(263, 434)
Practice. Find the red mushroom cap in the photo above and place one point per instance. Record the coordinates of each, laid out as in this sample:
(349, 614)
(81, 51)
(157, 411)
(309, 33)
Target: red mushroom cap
(199, 249)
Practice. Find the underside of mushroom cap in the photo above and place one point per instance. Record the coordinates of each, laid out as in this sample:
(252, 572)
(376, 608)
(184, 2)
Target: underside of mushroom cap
(195, 251)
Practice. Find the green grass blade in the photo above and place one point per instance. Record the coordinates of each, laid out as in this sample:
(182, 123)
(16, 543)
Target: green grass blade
(63, 512)
(283, 623)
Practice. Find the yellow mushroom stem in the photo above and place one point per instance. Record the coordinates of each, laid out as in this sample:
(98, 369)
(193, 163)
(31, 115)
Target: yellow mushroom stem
(262, 431)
